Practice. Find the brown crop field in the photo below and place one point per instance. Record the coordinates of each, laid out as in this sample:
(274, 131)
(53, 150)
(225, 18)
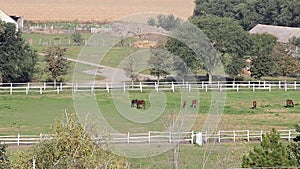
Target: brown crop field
(93, 10)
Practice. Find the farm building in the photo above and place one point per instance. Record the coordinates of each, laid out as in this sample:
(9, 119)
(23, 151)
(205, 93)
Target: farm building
(282, 33)
(17, 20)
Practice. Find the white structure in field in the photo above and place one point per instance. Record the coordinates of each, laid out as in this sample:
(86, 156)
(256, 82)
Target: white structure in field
(17, 20)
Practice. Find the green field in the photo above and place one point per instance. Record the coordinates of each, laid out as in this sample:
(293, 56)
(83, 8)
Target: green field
(34, 113)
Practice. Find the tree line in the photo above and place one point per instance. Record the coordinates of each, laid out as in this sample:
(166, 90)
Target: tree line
(20, 63)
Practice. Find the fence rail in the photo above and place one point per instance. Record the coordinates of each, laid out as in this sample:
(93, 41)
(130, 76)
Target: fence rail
(159, 137)
(237, 86)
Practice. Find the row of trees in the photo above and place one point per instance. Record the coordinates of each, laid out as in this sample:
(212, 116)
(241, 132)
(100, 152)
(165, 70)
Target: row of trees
(234, 45)
(273, 153)
(19, 63)
(250, 13)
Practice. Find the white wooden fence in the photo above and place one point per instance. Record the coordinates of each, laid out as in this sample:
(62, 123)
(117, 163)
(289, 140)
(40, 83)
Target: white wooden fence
(237, 86)
(159, 137)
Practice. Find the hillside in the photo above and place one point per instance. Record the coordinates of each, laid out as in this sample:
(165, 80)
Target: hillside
(91, 10)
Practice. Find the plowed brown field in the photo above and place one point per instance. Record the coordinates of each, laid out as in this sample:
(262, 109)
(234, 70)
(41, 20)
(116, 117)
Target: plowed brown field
(91, 10)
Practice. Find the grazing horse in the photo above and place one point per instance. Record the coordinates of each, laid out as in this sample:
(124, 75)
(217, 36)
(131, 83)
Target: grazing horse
(194, 103)
(141, 104)
(134, 103)
(184, 104)
(289, 103)
(254, 105)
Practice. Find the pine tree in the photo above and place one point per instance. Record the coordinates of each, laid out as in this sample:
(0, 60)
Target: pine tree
(270, 153)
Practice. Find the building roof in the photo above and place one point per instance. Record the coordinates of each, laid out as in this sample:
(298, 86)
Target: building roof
(282, 33)
(6, 18)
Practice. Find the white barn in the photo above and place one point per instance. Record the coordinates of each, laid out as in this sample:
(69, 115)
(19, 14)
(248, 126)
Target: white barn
(17, 20)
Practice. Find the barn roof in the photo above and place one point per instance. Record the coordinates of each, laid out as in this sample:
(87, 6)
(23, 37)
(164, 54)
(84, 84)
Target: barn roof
(6, 18)
(282, 33)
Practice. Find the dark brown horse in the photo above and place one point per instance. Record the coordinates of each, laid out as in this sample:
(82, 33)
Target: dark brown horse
(194, 103)
(289, 103)
(254, 105)
(141, 104)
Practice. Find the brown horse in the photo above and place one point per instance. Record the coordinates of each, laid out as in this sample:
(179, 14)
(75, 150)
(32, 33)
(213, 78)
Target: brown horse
(289, 103)
(141, 104)
(254, 105)
(194, 103)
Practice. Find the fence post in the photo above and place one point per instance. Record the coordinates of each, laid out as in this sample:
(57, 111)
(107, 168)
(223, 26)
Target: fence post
(41, 137)
(128, 137)
(270, 87)
(285, 87)
(61, 87)
(233, 135)
(41, 90)
(92, 87)
(170, 137)
(237, 87)
(261, 134)
(248, 135)
(249, 84)
(149, 136)
(44, 85)
(202, 85)
(279, 84)
(190, 87)
(205, 87)
(11, 89)
(156, 86)
(253, 89)
(295, 83)
(107, 87)
(173, 87)
(26, 90)
(289, 135)
(219, 136)
(18, 141)
(141, 87)
(57, 90)
(264, 84)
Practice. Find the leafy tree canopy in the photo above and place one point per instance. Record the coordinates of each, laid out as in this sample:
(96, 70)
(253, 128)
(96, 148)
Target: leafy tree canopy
(17, 60)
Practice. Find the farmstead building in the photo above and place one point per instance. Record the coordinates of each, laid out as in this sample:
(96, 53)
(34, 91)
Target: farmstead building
(17, 20)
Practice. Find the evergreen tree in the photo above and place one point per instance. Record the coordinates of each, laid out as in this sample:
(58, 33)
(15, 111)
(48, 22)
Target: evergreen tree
(17, 60)
(294, 147)
(270, 153)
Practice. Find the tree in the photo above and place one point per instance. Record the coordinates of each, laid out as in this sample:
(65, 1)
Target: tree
(160, 63)
(262, 63)
(17, 61)
(169, 22)
(251, 13)
(72, 147)
(270, 153)
(129, 68)
(77, 38)
(4, 162)
(294, 147)
(225, 35)
(57, 63)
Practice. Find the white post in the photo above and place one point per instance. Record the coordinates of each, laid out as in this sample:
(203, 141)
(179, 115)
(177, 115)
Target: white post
(141, 87)
(295, 83)
(92, 88)
(128, 137)
(205, 87)
(233, 135)
(249, 84)
(33, 163)
(264, 84)
(18, 141)
(270, 87)
(199, 139)
(279, 85)
(107, 87)
(219, 137)
(41, 90)
(218, 84)
(11, 89)
(190, 87)
(248, 135)
(61, 87)
(289, 135)
(233, 84)
(285, 86)
(57, 90)
(170, 137)
(41, 137)
(173, 87)
(156, 87)
(149, 136)
(253, 89)
(237, 87)
(26, 90)
(261, 133)
(202, 85)
(44, 85)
